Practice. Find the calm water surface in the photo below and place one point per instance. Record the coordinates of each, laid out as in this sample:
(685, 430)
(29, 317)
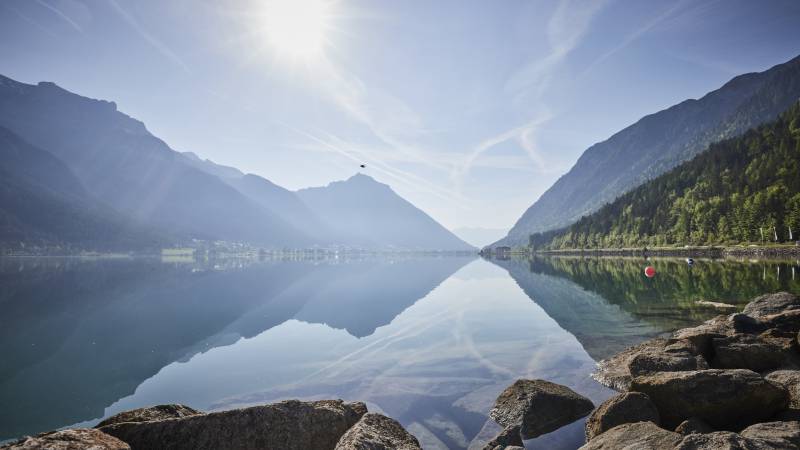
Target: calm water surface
(430, 341)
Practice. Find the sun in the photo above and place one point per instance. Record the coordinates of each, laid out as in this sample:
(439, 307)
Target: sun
(298, 28)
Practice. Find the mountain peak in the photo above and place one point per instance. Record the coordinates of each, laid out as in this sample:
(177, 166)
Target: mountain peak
(360, 177)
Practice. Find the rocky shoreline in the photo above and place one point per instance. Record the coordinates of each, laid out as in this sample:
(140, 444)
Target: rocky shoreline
(287, 425)
(732, 382)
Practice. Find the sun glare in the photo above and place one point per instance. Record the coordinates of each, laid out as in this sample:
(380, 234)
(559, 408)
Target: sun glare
(298, 28)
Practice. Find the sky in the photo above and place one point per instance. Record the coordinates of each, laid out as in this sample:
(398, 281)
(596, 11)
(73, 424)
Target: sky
(468, 109)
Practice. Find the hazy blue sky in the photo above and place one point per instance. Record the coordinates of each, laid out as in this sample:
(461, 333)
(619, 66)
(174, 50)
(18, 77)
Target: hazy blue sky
(468, 109)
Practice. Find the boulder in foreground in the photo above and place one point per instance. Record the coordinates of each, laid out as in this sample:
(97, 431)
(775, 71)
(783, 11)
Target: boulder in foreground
(774, 431)
(638, 436)
(722, 440)
(770, 304)
(624, 408)
(288, 425)
(377, 432)
(725, 399)
(158, 412)
(539, 407)
(508, 438)
(693, 425)
(77, 439)
(790, 379)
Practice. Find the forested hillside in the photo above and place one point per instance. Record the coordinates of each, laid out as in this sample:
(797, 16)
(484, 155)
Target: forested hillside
(658, 143)
(745, 189)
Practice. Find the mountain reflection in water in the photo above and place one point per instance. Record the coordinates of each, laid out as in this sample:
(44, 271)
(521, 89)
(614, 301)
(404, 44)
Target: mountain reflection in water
(430, 341)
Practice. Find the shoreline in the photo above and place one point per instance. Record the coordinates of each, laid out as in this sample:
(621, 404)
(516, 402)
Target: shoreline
(700, 252)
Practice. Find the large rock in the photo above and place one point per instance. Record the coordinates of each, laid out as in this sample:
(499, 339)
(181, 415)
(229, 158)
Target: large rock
(634, 436)
(158, 412)
(790, 379)
(509, 437)
(698, 338)
(774, 431)
(744, 351)
(288, 425)
(726, 440)
(685, 351)
(693, 425)
(725, 399)
(77, 439)
(645, 363)
(613, 372)
(624, 408)
(539, 407)
(788, 321)
(769, 304)
(377, 432)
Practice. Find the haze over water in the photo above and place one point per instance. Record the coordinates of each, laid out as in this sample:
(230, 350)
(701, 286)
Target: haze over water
(430, 341)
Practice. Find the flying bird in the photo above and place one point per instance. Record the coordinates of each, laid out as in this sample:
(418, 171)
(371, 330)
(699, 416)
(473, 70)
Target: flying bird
(363, 166)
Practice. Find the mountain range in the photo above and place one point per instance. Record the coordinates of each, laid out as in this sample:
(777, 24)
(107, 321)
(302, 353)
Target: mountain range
(741, 190)
(657, 143)
(127, 183)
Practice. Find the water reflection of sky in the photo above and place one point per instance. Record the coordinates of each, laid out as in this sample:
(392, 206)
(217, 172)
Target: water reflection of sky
(430, 341)
(437, 366)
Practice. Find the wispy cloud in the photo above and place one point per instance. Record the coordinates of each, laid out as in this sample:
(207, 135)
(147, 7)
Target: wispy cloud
(365, 154)
(62, 15)
(637, 34)
(566, 27)
(389, 119)
(523, 135)
(29, 20)
(152, 40)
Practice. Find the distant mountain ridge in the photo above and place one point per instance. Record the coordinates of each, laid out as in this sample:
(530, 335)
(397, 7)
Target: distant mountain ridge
(269, 195)
(125, 166)
(42, 201)
(369, 212)
(139, 179)
(657, 143)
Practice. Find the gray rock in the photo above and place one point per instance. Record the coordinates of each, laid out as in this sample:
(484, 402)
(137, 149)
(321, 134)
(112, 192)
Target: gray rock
(645, 363)
(790, 379)
(77, 439)
(786, 340)
(288, 425)
(774, 431)
(726, 440)
(744, 351)
(742, 323)
(787, 321)
(624, 408)
(635, 436)
(614, 372)
(377, 432)
(769, 304)
(539, 407)
(699, 338)
(509, 437)
(158, 412)
(725, 399)
(687, 349)
(693, 425)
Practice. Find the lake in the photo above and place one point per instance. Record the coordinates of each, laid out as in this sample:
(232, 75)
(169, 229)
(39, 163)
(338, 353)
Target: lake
(429, 341)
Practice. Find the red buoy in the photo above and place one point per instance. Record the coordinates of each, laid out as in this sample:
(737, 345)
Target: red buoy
(649, 271)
